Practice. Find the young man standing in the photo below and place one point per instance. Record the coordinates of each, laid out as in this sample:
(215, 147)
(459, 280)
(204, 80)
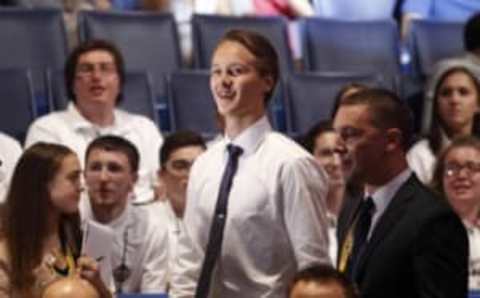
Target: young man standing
(255, 200)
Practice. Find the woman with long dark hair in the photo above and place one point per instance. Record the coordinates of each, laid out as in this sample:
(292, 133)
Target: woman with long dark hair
(451, 108)
(40, 232)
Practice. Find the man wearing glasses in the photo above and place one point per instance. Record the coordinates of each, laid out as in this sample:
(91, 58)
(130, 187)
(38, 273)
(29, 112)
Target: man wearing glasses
(94, 77)
(399, 239)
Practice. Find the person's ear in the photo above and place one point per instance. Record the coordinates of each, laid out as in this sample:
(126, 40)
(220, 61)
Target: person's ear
(394, 139)
(269, 83)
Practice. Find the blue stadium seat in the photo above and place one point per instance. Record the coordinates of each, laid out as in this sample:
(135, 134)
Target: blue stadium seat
(17, 106)
(474, 294)
(431, 41)
(310, 97)
(138, 96)
(34, 39)
(208, 29)
(352, 46)
(148, 42)
(191, 103)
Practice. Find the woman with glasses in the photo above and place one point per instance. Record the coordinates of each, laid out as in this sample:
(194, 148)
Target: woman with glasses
(451, 104)
(40, 234)
(457, 178)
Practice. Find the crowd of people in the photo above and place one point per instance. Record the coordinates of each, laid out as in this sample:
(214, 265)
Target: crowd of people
(102, 203)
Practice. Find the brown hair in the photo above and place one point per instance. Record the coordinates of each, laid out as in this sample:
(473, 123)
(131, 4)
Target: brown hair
(324, 274)
(89, 46)
(460, 142)
(387, 111)
(265, 54)
(344, 92)
(435, 134)
(116, 144)
(24, 225)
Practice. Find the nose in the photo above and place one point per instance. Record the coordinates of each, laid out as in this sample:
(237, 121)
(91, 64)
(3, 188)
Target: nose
(104, 175)
(96, 73)
(340, 148)
(226, 80)
(455, 97)
(336, 159)
(463, 173)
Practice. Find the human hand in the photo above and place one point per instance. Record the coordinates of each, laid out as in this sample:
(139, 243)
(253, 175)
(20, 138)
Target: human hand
(88, 269)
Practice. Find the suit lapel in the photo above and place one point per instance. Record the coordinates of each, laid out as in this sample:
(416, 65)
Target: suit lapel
(395, 210)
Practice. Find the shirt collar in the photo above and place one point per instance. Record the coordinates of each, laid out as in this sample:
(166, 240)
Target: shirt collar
(471, 227)
(384, 194)
(122, 219)
(250, 138)
(445, 140)
(80, 123)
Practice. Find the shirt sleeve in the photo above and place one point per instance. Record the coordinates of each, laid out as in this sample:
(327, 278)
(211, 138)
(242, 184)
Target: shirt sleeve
(305, 188)
(190, 255)
(421, 160)
(39, 133)
(155, 268)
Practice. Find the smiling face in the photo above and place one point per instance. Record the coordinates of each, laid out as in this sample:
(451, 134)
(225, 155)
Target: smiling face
(96, 82)
(109, 178)
(237, 87)
(65, 187)
(461, 178)
(457, 101)
(327, 156)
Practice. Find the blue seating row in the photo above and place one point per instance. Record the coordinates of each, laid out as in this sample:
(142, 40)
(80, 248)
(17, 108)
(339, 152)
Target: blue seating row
(35, 40)
(299, 101)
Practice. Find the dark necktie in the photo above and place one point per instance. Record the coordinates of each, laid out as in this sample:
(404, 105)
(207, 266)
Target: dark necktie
(362, 226)
(215, 238)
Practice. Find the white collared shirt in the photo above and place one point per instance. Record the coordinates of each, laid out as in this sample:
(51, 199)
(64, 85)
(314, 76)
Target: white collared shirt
(162, 212)
(71, 129)
(146, 253)
(10, 152)
(422, 160)
(383, 195)
(276, 219)
(474, 257)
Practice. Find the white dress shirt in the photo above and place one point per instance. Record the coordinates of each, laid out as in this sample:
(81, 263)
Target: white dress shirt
(474, 257)
(70, 128)
(10, 152)
(162, 212)
(422, 160)
(332, 237)
(146, 252)
(276, 219)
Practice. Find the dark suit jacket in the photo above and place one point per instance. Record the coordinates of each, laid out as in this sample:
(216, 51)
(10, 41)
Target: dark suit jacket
(419, 247)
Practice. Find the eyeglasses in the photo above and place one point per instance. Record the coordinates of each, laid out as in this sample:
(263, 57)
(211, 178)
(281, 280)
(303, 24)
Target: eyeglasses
(88, 69)
(454, 168)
